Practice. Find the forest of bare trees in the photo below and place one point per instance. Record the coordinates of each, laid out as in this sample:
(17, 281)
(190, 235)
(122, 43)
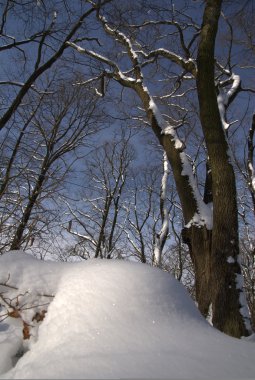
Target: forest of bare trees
(127, 132)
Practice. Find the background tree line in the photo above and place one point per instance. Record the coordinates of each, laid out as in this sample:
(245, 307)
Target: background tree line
(127, 132)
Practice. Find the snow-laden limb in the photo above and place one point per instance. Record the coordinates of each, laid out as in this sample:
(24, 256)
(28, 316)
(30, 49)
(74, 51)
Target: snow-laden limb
(164, 182)
(166, 128)
(82, 236)
(162, 235)
(187, 64)
(160, 126)
(236, 83)
(252, 176)
(98, 93)
(174, 95)
(222, 110)
(121, 37)
(204, 215)
(117, 74)
(225, 97)
(250, 164)
(92, 54)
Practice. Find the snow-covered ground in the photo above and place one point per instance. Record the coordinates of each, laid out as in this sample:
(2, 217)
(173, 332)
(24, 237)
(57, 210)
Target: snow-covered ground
(108, 319)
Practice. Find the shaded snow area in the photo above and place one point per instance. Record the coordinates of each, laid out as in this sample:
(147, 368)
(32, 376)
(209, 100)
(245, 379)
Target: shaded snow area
(108, 319)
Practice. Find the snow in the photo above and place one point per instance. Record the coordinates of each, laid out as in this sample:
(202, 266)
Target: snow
(224, 97)
(222, 109)
(236, 82)
(152, 105)
(164, 214)
(167, 129)
(252, 176)
(242, 299)
(112, 319)
(231, 260)
(204, 216)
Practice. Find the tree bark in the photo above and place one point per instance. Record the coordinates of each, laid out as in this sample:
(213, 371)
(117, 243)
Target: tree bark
(214, 253)
(199, 241)
(198, 238)
(225, 268)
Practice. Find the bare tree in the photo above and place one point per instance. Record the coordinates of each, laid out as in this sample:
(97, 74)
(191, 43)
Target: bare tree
(148, 208)
(214, 251)
(140, 215)
(43, 158)
(185, 83)
(42, 35)
(97, 219)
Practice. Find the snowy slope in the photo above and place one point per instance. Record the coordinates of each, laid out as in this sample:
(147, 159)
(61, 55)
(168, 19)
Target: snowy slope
(114, 319)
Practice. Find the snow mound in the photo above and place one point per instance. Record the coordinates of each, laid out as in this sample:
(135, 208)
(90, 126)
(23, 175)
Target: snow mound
(116, 319)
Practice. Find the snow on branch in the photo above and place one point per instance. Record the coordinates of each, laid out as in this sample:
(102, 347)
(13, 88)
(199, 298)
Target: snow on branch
(250, 165)
(92, 54)
(204, 215)
(162, 235)
(180, 29)
(125, 41)
(187, 64)
(226, 96)
(162, 128)
(166, 128)
(117, 74)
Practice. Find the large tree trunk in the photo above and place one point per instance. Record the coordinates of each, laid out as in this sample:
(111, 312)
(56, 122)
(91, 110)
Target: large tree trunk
(196, 236)
(199, 241)
(227, 296)
(214, 254)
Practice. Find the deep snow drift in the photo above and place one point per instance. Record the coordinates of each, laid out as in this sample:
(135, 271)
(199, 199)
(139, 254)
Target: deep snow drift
(110, 319)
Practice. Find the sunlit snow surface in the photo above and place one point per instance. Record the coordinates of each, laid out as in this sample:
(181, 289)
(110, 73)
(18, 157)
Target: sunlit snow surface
(114, 319)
